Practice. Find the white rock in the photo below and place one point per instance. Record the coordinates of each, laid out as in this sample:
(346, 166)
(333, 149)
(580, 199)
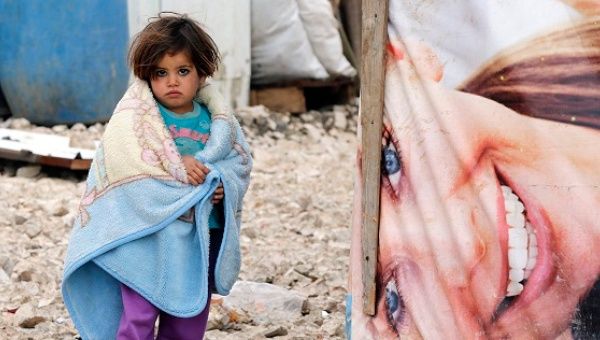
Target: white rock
(4, 278)
(19, 123)
(56, 208)
(307, 117)
(339, 120)
(312, 132)
(78, 127)
(266, 303)
(29, 171)
(45, 302)
(7, 264)
(32, 229)
(279, 331)
(96, 129)
(60, 128)
(27, 316)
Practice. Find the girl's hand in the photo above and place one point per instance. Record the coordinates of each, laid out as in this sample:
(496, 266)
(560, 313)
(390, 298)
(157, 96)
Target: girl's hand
(196, 171)
(219, 194)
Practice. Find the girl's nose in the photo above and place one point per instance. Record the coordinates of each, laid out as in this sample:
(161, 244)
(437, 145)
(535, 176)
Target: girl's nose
(172, 80)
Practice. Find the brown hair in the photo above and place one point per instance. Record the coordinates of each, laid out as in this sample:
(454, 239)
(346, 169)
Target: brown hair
(171, 33)
(555, 76)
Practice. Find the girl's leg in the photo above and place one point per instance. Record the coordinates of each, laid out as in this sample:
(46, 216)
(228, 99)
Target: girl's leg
(170, 327)
(174, 328)
(139, 315)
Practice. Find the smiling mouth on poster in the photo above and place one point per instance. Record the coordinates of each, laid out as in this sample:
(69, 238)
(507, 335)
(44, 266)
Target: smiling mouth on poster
(477, 213)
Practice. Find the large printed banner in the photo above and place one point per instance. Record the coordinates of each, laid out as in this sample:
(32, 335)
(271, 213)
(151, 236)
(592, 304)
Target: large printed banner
(490, 186)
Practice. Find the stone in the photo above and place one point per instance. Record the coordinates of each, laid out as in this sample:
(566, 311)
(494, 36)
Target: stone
(331, 306)
(60, 128)
(32, 229)
(307, 117)
(311, 131)
(249, 114)
(19, 123)
(328, 120)
(21, 217)
(281, 126)
(277, 135)
(334, 329)
(25, 276)
(96, 129)
(29, 171)
(249, 232)
(7, 264)
(339, 120)
(27, 316)
(262, 124)
(56, 208)
(4, 278)
(45, 302)
(265, 302)
(78, 127)
(279, 331)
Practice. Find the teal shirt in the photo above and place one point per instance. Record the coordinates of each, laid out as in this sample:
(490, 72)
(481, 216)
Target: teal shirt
(190, 132)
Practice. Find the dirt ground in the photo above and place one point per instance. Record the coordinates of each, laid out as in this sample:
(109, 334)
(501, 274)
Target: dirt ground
(295, 230)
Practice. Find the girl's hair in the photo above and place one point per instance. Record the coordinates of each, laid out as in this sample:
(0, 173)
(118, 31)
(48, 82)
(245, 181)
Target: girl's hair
(171, 33)
(555, 76)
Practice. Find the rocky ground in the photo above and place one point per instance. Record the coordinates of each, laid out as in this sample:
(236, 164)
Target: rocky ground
(295, 232)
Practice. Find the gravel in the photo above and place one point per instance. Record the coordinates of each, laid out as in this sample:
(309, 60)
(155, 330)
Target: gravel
(295, 231)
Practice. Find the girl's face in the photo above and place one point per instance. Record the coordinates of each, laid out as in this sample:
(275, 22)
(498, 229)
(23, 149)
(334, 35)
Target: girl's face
(175, 82)
(478, 204)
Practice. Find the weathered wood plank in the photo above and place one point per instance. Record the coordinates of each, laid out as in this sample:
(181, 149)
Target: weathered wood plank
(374, 38)
(280, 99)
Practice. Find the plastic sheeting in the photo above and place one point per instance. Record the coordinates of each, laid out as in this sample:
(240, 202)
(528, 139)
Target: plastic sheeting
(296, 39)
(490, 187)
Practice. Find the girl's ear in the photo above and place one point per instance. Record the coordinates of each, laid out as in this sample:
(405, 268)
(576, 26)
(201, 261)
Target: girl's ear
(201, 83)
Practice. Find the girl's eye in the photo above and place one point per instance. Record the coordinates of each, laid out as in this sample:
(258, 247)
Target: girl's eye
(394, 306)
(160, 73)
(184, 72)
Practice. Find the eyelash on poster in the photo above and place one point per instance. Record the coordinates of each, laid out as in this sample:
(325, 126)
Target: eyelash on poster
(391, 163)
(392, 301)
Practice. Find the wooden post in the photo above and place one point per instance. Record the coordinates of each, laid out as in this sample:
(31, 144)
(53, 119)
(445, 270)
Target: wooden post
(374, 38)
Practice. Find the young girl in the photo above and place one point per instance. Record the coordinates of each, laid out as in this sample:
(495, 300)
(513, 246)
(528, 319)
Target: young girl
(158, 228)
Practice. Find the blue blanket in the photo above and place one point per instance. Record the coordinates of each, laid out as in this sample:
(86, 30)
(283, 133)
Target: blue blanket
(128, 231)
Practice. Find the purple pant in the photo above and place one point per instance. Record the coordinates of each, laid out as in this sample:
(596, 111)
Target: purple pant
(139, 315)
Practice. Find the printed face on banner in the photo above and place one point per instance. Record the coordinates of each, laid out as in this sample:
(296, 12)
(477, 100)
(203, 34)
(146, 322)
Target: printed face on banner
(490, 190)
